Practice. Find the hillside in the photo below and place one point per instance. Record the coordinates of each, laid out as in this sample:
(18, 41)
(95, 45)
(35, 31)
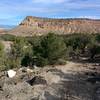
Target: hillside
(2, 31)
(37, 26)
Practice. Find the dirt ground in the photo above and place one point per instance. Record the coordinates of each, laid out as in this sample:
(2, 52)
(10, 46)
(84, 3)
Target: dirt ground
(73, 81)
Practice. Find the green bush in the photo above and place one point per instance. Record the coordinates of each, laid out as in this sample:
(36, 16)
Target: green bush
(97, 37)
(2, 57)
(50, 49)
(41, 61)
(77, 41)
(27, 59)
(12, 62)
(19, 49)
(1, 49)
(94, 49)
(7, 37)
(76, 44)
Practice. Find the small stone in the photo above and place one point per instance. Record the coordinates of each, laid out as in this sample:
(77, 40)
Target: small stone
(35, 67)
(29, 70)
(23, 69)
(11, 73)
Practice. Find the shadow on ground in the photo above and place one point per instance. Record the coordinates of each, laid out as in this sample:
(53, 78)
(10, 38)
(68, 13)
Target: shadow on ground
(75, 87)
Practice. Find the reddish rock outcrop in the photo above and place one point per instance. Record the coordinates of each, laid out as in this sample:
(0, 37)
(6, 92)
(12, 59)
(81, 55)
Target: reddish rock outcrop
(38, 26)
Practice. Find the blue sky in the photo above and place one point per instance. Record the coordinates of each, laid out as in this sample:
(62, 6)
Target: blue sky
(12, 12)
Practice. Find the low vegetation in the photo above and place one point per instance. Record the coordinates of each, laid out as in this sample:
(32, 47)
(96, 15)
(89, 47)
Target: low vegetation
(7, 37)
(47, 50)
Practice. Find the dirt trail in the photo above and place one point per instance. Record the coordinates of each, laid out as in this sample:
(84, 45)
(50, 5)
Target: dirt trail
(68, 82)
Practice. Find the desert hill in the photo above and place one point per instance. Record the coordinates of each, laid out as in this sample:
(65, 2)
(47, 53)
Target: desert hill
(38, 26)
(2, 31)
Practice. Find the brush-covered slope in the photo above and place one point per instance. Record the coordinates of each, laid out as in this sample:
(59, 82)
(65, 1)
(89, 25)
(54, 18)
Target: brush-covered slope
(40, 26)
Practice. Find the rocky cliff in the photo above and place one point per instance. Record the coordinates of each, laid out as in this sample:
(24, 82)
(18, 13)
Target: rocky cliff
(37, 26)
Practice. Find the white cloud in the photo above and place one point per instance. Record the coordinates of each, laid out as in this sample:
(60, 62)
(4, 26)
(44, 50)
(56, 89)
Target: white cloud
(90, 17)
(49, 8)
(49, 1)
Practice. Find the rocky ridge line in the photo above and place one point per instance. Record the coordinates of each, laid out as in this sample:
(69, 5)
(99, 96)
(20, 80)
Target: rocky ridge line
(40, 26)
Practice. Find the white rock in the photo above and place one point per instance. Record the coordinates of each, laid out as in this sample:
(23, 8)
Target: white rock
(29, 70)
(11, 73)
(35, 67)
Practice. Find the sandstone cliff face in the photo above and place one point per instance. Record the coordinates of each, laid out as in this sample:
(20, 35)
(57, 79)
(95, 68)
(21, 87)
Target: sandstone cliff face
(38, 26)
